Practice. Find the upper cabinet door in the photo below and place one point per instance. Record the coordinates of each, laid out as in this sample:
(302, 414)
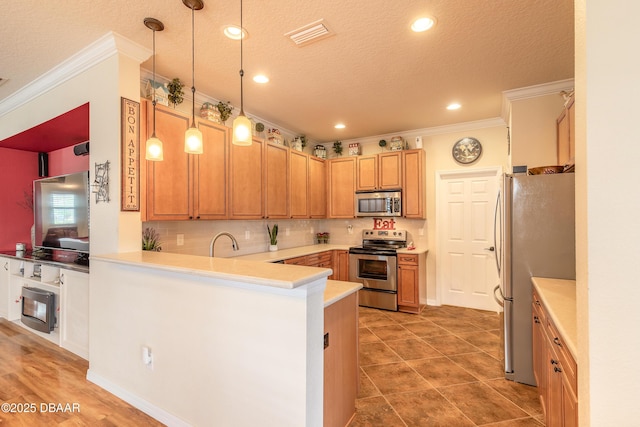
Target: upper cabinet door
(413, 187)
(247, 181)
(317, 187)
(390, 171)
(367, 167)
(342, 186)
(168, 181)
(210, 172)
(298, 184)
(276, 190)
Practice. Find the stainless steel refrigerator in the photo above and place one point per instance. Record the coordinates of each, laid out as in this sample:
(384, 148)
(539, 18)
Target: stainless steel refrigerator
(539, 240)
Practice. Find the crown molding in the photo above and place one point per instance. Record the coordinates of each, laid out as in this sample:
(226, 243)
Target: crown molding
(437, 130)
(508, 96)
(103, 48)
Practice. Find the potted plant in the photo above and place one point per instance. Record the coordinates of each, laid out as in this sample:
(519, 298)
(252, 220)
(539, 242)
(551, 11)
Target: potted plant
(151, 240)
(337, 148)
(225, 109)
(176, 95)
(273, 237)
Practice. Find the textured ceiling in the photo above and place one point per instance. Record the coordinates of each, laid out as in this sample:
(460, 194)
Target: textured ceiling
(374, 74)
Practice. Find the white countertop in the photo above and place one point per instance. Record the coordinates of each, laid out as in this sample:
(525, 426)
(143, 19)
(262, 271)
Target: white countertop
(308, 250)
(240, 270)
(559, 298)
(336, 290)
(292, 252)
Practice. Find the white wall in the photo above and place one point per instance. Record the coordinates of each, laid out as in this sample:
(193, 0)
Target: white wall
(607, 206)
(533, 130)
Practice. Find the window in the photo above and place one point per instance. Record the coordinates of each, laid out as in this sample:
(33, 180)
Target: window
(64, 211)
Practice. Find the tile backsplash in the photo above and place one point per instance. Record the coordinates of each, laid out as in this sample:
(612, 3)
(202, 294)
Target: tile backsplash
(252, 236)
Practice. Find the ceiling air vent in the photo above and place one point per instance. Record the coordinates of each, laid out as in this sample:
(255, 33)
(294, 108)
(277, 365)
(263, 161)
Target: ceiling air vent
(309, 33)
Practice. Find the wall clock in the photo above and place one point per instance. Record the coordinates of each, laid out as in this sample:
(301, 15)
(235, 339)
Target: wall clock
(467, 150)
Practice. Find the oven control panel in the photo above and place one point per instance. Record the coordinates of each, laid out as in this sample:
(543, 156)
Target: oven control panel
(384, 234)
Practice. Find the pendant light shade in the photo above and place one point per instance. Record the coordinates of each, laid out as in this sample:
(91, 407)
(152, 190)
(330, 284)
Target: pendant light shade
(242, 130)
(241, 125)
(153, 150)
(193, 136)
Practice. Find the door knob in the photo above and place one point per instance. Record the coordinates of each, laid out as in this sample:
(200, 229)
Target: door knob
(490, 248)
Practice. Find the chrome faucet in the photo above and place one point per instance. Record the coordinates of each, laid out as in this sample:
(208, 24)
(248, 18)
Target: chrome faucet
(234, 242)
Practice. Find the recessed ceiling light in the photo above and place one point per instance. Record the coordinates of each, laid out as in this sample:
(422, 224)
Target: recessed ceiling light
(234, 32)
(453, 106)
(340, 126)
(423, 24)
(261, 78)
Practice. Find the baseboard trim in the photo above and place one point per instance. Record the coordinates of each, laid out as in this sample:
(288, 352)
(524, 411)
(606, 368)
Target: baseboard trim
(137, 402)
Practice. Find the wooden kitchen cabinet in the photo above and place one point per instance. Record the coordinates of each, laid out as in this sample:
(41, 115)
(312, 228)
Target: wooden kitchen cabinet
(379, 172)
(187, 186)
(169, 182)
(247, 181)
(341, 265)
(276, 190)
(341, 374)
(555, 370)
(566, 139)
(342, 186)
(413, 186)
(299, 184)
(317, 192)
(210, 172)
(409, 283)
(301, 260)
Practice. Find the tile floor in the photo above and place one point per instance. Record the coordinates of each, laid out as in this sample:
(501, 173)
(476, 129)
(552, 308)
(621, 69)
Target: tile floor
(439, 368)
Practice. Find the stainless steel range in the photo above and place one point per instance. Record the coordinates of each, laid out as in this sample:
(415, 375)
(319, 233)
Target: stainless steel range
(374, 264)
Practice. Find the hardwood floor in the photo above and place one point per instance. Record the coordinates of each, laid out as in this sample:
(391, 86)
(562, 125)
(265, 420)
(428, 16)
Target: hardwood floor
(42, 384)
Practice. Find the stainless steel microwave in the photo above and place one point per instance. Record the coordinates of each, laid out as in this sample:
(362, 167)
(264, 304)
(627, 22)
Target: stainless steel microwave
(378, 203)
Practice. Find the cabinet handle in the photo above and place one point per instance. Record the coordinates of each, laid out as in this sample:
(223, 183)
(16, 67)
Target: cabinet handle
(554, 362)
(556, 369)
(535, 319)
(62, 279)
(537, 302)
(198, 217)
(190, 217)
(557, 342)
(6, 266)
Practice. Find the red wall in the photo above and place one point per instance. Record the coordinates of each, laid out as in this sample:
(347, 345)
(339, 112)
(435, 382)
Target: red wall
(18, 169)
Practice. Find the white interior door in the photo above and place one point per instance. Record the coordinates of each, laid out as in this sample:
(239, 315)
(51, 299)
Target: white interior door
(465, 268)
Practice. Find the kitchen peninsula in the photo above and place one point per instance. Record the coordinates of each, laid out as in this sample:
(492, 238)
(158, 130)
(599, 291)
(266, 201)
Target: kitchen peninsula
(229, 334)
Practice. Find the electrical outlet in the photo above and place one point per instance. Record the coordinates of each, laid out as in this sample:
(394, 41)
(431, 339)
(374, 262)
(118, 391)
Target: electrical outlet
(286, 231)
(247, 235)
(350, 229)
(421, 232)
(311, 230)
(147, 357)
(180, 240)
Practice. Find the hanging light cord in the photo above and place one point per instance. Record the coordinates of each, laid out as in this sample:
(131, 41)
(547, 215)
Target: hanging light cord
(241, 64)
(154, 83)
(193, 72)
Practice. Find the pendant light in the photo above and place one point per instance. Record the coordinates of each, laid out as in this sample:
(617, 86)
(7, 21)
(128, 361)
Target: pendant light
(193, 136)
(153, 150)
(241, 125)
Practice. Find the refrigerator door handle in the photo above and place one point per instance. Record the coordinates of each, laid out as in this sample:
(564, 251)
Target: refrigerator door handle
(495, 233)
(499, 300)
